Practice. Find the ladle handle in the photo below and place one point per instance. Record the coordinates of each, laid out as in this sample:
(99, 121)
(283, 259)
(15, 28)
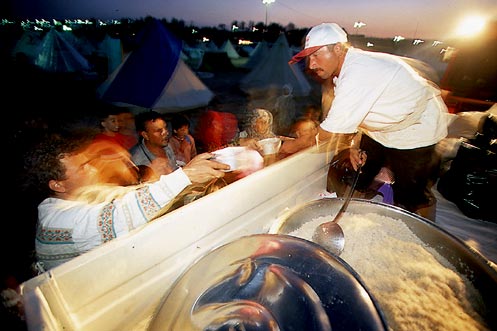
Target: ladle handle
(349, 195)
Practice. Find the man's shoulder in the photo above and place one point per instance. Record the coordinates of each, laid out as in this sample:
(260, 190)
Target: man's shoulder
(136, 148)
(138, 154)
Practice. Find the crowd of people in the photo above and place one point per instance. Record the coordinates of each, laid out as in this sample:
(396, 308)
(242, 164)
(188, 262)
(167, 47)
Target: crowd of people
(94, 183)
(91, 186)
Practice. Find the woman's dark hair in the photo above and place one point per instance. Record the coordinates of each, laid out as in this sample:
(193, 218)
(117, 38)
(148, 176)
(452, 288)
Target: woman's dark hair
(42, 162)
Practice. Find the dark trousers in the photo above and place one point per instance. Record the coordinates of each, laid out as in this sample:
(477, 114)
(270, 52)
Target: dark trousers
(415, 170)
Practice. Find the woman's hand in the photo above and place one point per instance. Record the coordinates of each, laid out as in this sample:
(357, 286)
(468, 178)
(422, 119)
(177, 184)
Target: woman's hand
(202, 168)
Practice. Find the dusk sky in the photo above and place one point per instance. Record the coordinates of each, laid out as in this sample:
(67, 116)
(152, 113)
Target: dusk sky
(435, 19)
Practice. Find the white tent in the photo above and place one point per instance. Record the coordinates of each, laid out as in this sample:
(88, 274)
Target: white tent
(230, 50)
(82, 43)
(153, 76)
(260, 52)
(58, 55)
(111, 48)
(274, 72)
(209, 46)
(194, 56)
(183, 91)
(29, 44)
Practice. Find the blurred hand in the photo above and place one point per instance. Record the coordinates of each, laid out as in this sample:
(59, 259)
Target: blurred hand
(349, 158)
(112, 163)
(250, 143)
(201, 169)
(357, 157)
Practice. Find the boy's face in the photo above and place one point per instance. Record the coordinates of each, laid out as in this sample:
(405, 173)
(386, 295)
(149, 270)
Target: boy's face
(182, 132)
(111, 123)
(306, 129)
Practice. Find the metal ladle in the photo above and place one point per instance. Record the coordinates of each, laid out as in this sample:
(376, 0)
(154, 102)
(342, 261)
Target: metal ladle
(330, 234)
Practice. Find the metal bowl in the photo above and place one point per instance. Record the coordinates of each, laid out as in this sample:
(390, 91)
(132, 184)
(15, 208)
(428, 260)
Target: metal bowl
(466, 260)
(269, 282)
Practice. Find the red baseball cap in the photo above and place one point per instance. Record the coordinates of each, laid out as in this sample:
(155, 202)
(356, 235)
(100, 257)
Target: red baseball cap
(319, 36)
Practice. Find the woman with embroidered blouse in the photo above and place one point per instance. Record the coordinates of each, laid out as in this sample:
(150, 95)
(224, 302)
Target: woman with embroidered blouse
(77, 214)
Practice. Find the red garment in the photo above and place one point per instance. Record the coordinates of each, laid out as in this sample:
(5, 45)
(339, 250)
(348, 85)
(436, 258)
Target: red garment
(129, 141)
(215, 130)
(117, 138)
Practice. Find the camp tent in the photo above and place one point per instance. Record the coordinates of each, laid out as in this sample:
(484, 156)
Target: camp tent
(230, 50)
(273, 72)
(153, 76)
(260, 52)
(29, 44)
(57, 55)
(111, 49)
(194, 56)
(209, 46)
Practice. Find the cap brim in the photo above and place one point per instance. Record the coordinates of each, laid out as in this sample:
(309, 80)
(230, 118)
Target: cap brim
(303, 53)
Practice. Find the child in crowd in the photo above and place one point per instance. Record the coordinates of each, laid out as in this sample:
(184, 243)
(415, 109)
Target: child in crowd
(109, 123)
(182, 142)
(110, 149)
(313, 112)
(304, 128)
(126, 121)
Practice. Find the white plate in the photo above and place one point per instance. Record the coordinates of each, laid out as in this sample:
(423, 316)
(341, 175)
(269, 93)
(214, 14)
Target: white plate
(239, 158)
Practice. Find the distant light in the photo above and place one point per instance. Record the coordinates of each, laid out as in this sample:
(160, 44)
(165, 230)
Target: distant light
(234, 28)
(417, 41)
(448, 53)
(6, 21)
(436, 43)
(254, 29)
(358, 25)
(369, 44)
(205, 39)
(66, 28)
(267, 2)
(398, 38)
(194, 31)
(244, 42)
(470, 26)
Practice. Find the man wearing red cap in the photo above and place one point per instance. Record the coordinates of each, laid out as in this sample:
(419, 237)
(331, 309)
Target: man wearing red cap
(399, 114)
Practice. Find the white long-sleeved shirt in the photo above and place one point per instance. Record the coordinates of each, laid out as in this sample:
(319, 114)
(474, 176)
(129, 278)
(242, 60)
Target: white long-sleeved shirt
(68, 228)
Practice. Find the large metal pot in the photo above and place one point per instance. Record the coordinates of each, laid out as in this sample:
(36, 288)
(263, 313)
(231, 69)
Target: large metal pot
(467, 261)
(269, 282)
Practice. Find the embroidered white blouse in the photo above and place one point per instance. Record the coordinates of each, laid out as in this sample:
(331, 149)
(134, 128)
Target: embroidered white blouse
(67, 229)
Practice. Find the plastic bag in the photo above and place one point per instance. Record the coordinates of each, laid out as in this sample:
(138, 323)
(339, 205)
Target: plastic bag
(471, 182)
